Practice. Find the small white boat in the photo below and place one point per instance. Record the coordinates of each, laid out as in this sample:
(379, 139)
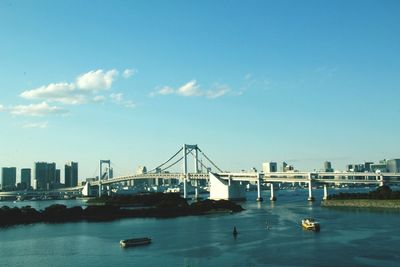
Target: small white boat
(135, 242)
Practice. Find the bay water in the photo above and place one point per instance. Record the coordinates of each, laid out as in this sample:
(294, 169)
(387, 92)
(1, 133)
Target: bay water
(269, 235)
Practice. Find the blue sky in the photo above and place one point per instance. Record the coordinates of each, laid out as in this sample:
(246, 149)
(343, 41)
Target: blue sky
(248, 81)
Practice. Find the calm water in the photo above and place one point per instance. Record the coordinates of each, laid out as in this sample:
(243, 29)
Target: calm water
(347, 238)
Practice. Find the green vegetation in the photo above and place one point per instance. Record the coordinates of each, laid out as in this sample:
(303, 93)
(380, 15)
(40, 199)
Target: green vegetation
(158, 206)
(382, 197)
(382, 192)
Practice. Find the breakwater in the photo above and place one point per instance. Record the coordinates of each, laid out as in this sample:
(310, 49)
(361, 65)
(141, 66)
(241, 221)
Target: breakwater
(166, 206)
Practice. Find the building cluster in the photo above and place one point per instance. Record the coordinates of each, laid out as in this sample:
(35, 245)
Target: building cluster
(391, 165)
(273, 167)
(46, 176)
(387, 166)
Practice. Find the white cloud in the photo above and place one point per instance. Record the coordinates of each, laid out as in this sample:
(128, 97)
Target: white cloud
(218, 91)
(99, 98)
(65, 93)
(96, 80)
(40, 109)
(166, 90)
(40, 125)
(191, 88)
(1, 107)
(129, 73)
(129, 104)
(74, 93)
(118, 98)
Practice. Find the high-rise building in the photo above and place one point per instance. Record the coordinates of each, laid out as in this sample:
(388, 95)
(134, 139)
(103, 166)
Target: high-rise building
(269, 167)
(367, 166)
(71, 174)
(26, 177)
(8, 178)
(58, 176)
(381, 166)
(393, 165)
(45, 175)
(284, 166)
(328, 166)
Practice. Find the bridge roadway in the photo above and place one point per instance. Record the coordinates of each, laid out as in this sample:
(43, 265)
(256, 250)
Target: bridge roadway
(280, 177)
(274, 177)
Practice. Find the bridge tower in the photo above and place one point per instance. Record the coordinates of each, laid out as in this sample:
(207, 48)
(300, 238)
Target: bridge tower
(107, 162)
(186, 150)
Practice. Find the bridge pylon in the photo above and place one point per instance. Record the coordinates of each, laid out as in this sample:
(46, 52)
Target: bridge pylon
(186, 150)
(107, 162)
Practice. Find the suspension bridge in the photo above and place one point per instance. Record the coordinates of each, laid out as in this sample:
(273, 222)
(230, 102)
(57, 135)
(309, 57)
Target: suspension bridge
(223, 185)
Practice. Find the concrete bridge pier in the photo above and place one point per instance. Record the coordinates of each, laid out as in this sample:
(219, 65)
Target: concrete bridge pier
(272, 198)
(259, 198)
(325, 192)
(310, 196)
(196, 190)
(185, 187)
(381, 183)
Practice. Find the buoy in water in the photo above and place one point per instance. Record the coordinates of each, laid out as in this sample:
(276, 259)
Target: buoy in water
(235, 232)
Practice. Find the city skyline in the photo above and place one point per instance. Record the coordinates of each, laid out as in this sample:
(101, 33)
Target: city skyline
(301, 82)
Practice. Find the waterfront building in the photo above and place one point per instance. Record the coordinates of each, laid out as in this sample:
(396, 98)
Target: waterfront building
(26, 178)
(58, 176)
(355, 168)
(71, 174)
(284, 166)
(269, 166)
(143, 170)
(8, 178)
(367, 166)
(328, 166)
(45, 175)
(381, 166)
(393, 165)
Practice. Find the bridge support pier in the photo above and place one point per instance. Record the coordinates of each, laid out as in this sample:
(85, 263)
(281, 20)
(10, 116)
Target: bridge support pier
(184, 187)
(100, 188)
(259, 198)
(381, 183)
(325, 192)
(272, 198)
(196, 190)
(310, 196)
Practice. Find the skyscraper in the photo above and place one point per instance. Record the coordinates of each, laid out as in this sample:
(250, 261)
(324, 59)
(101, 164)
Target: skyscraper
(58, 176)
(71, 174)
(45, 175)
(8, 178)
(26, 177)
(269, 167)
(393, 165)
(328, 166)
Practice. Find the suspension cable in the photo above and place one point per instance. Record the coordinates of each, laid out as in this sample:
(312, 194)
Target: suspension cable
(187, 153)
(159, 166)
(201, 163)
(172, 164)
(210, 160)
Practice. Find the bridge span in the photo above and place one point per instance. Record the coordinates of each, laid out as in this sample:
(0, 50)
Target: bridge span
(185, 177)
